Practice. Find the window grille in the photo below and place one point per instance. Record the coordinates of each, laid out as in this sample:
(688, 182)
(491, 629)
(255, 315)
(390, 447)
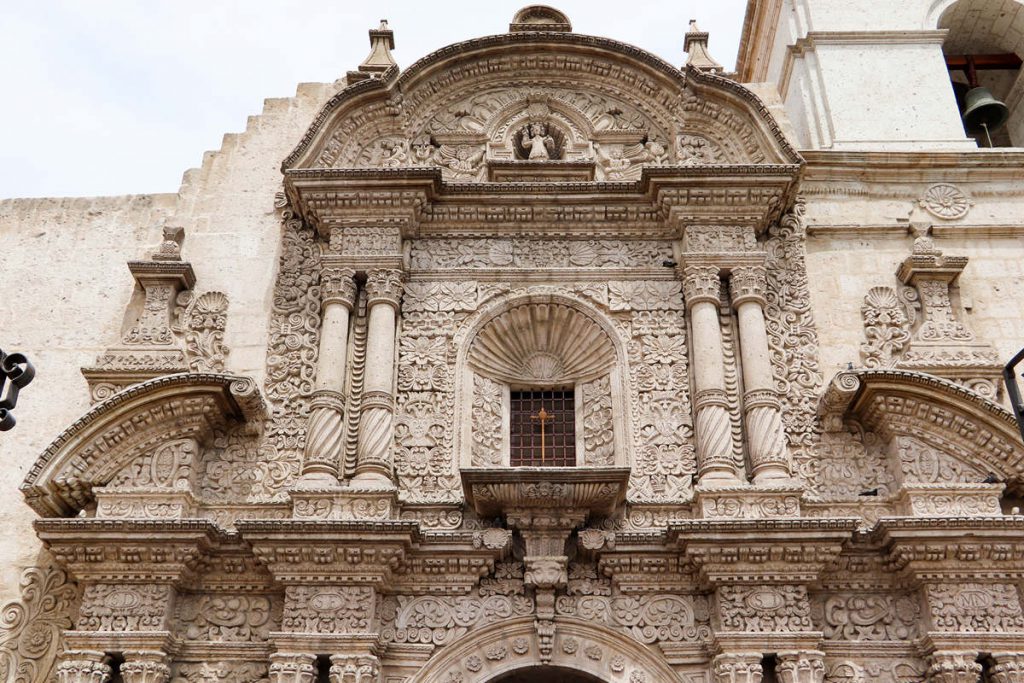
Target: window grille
(543, 428)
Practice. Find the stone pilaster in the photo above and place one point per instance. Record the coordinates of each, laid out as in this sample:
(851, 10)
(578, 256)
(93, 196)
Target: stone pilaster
(376, 425)
(145, 666)
(325, 437)
(766, 440)
(714, 439)
(83, 666)
(953, 667)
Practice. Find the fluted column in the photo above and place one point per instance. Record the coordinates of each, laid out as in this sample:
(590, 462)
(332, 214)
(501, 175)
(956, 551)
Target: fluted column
(83, 666)
(325, 436)
(766, 440)
(384, 292)
(146, 666)
(714, 439)
(292, 667)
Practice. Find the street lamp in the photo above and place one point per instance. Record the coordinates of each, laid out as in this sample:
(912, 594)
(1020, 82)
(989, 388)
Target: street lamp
(15, 374)
(1010, 377)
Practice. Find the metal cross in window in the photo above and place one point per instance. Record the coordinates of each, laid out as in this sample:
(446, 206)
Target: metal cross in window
(543, 416)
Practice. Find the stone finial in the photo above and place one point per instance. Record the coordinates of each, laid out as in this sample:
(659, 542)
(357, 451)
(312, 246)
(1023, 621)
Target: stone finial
(382, 42)
(540, 18)
(170, 248)
(696, 47)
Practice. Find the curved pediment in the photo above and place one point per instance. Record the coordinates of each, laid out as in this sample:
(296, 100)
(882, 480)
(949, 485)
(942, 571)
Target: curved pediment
(542, 95)
(941, 414)
(130, 424)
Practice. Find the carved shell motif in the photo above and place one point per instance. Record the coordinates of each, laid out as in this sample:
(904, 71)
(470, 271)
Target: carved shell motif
(542, 342)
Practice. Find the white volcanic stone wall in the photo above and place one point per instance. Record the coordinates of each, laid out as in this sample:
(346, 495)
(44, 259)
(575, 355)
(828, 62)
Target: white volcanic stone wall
(66, 284)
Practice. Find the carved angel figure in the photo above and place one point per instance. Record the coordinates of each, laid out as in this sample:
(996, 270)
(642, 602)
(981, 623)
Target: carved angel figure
(535, 138)
(397, 152)
(463, 160)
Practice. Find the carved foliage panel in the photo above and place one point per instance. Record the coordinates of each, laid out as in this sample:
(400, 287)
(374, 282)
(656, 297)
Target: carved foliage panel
(664, 459)
(220, 672)
(30, 626)
(792, 336)
(129, 607)
(329, 609)
(845, 466)
(228, 618)
(975, 607)
(921, 463)
(764, 609)
(867, 616)
(532, 253)
(440, 620)
(424, 423)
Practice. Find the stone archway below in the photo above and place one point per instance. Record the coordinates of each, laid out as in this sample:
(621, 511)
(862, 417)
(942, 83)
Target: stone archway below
(546, 674)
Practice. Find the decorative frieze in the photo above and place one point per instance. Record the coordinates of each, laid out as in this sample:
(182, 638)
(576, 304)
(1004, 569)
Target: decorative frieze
(764, 609)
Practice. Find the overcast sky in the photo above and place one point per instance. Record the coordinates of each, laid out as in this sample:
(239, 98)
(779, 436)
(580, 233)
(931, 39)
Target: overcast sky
(109, 97)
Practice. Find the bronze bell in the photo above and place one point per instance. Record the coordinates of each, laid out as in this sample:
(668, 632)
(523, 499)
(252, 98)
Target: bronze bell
(981, 110)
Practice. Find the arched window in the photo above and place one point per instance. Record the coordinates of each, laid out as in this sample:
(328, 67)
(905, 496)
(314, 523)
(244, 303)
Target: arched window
(544, 388)
(983, 50)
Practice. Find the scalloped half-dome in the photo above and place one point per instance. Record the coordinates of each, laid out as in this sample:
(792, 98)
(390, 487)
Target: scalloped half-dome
(542, 343)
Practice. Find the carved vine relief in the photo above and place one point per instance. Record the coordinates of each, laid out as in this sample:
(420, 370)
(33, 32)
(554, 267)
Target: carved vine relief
(30, 627)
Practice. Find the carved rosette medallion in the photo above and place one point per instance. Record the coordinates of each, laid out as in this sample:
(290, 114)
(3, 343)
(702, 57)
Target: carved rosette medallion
(946, 201)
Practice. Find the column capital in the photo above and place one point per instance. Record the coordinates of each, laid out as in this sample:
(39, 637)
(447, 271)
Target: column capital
(354, 669)
(292, 667)
(748, 283)
(701, 284)
(737, 667)
(338, 286)
(83, 666)
(953, 667)
(145, 666)
(803, 666)
(385, 285)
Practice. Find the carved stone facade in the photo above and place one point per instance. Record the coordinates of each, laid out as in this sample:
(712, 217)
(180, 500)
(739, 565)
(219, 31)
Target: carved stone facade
(528, 213)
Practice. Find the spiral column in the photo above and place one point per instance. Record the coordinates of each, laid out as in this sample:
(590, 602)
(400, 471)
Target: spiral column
(701, 287)
(766, 440)
(376, 424)
(325, 435)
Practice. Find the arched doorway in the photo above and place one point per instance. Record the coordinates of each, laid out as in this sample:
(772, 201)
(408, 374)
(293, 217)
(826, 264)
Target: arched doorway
(546, 674)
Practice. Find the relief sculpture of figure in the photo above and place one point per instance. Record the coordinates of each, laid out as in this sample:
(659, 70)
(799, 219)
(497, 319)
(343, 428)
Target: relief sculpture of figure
(536, 139)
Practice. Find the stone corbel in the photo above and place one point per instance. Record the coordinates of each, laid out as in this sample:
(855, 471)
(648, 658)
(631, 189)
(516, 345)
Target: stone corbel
(545, 506)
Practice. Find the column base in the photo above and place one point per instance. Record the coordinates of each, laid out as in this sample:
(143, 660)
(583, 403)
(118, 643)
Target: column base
(346, 502)
(743, 501)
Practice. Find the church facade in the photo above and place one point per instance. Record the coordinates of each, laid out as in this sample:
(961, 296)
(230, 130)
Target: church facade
(544, 359)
